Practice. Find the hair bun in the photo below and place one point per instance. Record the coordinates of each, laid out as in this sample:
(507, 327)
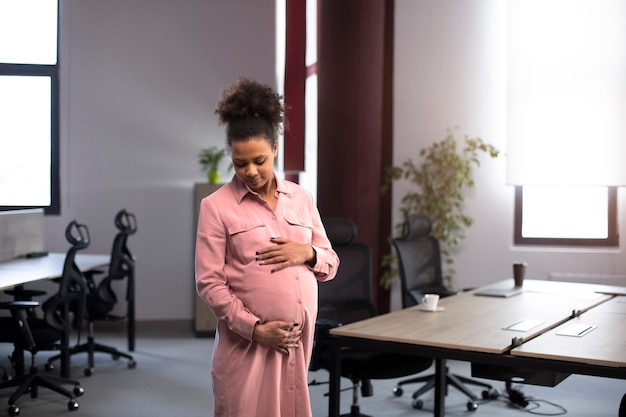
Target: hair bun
(247, 98)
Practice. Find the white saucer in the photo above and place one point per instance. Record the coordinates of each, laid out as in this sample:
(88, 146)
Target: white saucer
(432, 311)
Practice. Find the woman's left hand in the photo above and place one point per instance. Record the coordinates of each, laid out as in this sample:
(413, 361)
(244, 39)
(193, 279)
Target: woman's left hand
(285, 253)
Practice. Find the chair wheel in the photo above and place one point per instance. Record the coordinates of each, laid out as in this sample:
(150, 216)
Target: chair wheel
(472, 406)
(490, 394)
(417, 404)
(397, 391)
(88, 371)
(132, 364)
(115, 357)
(72, 405)
(14, 410)
(78, 390)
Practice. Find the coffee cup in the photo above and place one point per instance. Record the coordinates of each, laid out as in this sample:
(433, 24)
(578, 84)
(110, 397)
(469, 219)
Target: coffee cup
(430, 301)
(519, 270)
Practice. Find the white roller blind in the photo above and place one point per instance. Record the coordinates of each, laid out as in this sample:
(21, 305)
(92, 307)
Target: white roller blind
(566, 92)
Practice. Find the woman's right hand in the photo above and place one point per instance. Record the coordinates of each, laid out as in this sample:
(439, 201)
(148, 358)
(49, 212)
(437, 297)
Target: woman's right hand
(280, 335)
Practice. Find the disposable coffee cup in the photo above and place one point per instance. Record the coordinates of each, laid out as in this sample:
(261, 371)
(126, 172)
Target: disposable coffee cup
(430, 301)
(519, 271)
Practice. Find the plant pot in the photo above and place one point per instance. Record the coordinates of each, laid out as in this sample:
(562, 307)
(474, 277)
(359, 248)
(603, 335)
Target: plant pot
(214, 177)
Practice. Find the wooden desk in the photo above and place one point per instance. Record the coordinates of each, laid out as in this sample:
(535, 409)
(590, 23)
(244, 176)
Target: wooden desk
(25, 270)
(603, 345)
(473, 328)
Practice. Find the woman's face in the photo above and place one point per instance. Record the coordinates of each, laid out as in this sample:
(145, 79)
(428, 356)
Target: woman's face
(253, 160)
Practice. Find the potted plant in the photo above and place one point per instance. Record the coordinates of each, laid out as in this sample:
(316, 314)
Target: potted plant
(210, 159)
(439, 181)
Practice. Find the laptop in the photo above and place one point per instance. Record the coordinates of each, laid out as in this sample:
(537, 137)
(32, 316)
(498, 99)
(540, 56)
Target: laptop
(499, 292)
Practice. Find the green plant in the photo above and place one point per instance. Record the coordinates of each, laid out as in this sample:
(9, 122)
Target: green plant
(440, 179)
(210, 159)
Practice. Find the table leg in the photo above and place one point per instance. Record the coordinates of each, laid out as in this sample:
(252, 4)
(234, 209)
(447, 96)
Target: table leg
(334, 380)
(131, 312)
(65, 343)
(440, 387)
(17, 357)
(65, 356)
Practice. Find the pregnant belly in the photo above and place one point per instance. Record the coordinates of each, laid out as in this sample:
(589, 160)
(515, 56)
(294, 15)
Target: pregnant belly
(282, 295)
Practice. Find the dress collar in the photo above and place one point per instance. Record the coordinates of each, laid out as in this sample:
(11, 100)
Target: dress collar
(241, 190)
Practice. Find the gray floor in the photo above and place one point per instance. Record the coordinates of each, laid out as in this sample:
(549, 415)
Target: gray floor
(172, 379)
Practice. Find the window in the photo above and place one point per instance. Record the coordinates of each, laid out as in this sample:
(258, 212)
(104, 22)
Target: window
(565, 127)
(566, 216)
(29, 105)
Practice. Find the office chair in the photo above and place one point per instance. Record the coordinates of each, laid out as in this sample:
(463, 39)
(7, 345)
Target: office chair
(419, 267)
(348, 298)
(101, 298)
(20, 293)
(48, 333)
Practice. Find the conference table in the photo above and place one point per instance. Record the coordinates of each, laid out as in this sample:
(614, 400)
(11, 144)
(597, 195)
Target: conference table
(540, 336)
(20, 271)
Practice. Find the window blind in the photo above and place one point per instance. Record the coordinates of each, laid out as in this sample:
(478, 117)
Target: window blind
(566, 92)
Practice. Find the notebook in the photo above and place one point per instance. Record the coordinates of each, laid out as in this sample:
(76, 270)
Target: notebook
(499, 292)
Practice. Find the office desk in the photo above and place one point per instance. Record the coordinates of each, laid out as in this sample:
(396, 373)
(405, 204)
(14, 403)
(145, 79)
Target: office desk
(474, 328)
(594, 346)
(22, 271)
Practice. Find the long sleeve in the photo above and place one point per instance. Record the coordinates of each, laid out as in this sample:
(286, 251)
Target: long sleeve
(211, 281)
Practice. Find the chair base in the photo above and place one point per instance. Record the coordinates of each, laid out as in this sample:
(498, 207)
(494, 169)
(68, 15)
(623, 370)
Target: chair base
(456, 381)
(366, 390)
(31, 383)
(355, 411)
(91, 347)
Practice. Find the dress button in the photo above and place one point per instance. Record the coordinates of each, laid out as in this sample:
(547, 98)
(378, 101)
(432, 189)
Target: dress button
(299, 301)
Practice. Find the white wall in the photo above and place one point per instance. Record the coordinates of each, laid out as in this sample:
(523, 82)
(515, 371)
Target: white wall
(450, 71)
(140, 80)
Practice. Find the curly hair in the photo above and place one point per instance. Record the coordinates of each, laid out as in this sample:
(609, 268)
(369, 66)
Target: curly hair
(250, 109)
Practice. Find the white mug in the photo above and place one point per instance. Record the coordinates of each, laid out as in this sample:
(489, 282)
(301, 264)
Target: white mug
(430, 301)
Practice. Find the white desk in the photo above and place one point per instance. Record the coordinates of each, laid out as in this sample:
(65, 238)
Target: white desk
(24, 270)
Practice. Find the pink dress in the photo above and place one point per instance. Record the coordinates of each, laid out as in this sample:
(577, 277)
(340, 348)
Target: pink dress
(250, 379)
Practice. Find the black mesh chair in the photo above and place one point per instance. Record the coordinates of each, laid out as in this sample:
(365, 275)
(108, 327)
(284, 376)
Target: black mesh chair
(419, 267)
(21, 293)
(346, 299)
(102, 299)
(28, 333)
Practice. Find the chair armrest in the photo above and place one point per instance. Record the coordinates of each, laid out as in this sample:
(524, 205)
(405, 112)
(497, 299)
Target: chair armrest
(18, 305)
(327, 323)
(18, 312)
(89, 278)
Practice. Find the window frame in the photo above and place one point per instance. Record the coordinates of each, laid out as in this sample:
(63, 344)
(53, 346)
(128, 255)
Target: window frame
(52, 71)
(612, 239)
